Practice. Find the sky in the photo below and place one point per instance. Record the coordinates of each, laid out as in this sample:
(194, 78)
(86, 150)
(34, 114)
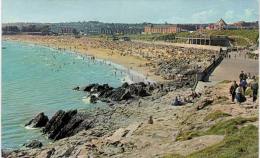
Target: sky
(130, 11)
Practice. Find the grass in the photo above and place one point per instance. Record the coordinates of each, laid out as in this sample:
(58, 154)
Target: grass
(241, 37)
(220, 128)
(241, 144)
(238, 37)
(229, 126)
(187, 135)
(215, 115)
(153, 37)
(238, 142)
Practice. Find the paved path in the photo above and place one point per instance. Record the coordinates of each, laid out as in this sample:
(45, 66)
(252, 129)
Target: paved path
(230, 68)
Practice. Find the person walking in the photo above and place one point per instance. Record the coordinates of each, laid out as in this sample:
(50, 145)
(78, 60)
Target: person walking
(232, 90)
(254, 87)
(239, 94)
(244, 85)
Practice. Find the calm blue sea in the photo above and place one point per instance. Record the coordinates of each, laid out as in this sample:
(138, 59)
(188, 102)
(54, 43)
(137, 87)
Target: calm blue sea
(40, 79)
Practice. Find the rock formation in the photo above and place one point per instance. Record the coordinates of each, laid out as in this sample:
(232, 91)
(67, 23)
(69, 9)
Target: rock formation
(125, 92)
(64, 124)
(33, 144)
(39, 121)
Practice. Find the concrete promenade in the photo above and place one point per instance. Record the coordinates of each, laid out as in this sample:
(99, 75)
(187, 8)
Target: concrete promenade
(230, 68)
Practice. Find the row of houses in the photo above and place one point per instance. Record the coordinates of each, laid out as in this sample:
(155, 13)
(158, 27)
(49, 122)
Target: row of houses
(219, 25)
(222, 25)
(96, 28)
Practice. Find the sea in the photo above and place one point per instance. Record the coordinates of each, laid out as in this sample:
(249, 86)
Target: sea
(40, 79)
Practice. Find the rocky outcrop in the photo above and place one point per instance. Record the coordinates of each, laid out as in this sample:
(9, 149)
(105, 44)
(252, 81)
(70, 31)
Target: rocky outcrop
(93, 99)
(33, 144)
(39, 121)
(76, 88)
(125, 92)
(64, 124)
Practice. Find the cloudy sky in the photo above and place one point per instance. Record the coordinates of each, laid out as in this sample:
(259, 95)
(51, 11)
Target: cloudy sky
(130, 11)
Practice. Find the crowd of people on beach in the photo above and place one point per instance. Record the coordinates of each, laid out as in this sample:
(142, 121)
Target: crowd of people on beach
(242, 54)
(167, 61)
(239, 91)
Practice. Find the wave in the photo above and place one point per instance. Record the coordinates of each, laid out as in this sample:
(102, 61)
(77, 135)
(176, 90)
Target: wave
(30, 128)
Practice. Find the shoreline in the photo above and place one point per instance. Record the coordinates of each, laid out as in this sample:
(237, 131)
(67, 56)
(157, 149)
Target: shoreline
(132, 73)
(132, 76)
(134, 66)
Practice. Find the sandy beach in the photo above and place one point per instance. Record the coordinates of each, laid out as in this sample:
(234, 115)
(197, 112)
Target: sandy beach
(133, 63)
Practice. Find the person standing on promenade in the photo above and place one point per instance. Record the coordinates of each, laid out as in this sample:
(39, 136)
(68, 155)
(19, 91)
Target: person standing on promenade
(232, 90)
(241, 76)
(254, 87)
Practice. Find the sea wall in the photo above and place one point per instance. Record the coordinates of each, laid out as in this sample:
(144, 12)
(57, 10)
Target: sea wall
(204, 75)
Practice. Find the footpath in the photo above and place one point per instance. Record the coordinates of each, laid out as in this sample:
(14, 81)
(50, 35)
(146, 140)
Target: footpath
(229, 69)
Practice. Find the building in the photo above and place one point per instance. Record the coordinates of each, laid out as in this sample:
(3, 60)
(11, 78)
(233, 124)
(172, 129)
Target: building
(162, 28)
(246, 25)
(10, 30)
(219, 25)
(222, 25)
(66, 30)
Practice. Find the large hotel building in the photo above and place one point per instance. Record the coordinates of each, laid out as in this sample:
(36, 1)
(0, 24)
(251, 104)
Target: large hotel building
(162, 28)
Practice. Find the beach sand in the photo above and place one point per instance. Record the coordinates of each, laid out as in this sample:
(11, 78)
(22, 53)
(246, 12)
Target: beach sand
(77, 45)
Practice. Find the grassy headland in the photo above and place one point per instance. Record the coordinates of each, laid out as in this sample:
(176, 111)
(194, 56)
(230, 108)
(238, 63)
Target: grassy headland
(238, 37)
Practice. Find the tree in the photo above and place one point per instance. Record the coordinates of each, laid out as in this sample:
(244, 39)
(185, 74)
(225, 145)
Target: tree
(75, 32)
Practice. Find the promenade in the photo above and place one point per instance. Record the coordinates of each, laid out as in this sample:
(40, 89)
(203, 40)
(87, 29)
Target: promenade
(230, 68)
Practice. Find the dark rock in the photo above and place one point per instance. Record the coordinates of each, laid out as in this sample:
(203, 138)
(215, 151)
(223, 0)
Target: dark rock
(120, 94)
(33, 144)
(150, 121)
(89, 87)
(76, 88)
(93, 99)
(39, 121)
(125, 85)
(64, 124)
(58, 121)
(125, 92)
